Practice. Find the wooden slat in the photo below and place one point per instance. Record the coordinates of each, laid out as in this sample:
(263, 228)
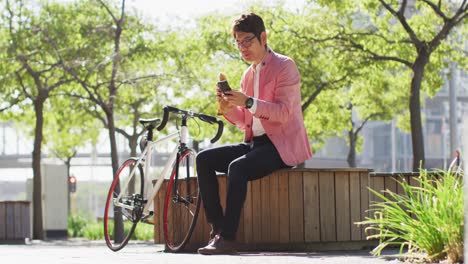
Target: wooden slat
(27, 220)
(327, 207)
(274, 209)
(18, 208)
(390, 184)
(265, 211)
(296, 207)
(185, 219)
(355, 205)
(283, 193)
(378, 184)
(162, 193)
(247, 217)
(2, 221)
(311, 207)
(342, 209)
(365, 200)
(156, 205)
(222, 185)
(400, 189)
(256, 209)
(163, 197)
(10, 221)
(413, 181)
(196, 238)
(175, 219)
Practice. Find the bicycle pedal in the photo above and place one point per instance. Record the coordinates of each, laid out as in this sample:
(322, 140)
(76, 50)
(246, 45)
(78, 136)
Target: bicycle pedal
(146, 219)
(149, 221)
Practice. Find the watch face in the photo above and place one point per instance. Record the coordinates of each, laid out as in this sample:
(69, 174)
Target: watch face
(249, 103)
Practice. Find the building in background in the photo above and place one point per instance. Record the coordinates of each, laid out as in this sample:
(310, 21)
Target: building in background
(387, 149)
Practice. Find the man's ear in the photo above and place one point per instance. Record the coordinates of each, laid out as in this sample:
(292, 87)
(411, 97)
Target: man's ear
(263, 37)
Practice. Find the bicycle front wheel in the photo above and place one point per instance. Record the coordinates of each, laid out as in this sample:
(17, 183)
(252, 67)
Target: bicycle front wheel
(124, 205)
(182, 203)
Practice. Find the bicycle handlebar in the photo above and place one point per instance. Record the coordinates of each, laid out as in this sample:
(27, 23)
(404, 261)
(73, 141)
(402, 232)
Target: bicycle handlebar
(205, 118)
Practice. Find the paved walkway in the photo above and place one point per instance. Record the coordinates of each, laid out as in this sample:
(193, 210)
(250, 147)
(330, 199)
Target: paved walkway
(90, 252)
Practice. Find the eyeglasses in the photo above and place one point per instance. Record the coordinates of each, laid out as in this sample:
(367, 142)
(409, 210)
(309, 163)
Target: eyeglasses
(246, 43)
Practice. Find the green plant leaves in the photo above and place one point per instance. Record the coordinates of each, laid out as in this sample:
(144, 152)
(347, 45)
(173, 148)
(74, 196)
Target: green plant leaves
(427, 218)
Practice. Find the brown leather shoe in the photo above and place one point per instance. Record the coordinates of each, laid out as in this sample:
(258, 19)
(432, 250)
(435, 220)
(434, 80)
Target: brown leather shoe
(218, 246)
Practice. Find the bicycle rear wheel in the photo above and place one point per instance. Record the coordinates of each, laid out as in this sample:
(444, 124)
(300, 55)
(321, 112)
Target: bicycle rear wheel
(182, 203)
(126, 210)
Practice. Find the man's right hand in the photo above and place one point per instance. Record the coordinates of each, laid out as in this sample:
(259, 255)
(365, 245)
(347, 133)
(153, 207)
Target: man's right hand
(224, 106)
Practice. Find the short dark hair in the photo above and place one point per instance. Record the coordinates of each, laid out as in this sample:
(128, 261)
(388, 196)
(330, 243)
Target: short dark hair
(250, 22)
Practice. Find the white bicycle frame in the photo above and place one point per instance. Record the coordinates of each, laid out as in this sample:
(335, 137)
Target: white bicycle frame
(145, 161)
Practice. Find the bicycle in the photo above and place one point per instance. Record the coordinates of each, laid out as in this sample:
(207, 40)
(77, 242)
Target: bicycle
(128, 199)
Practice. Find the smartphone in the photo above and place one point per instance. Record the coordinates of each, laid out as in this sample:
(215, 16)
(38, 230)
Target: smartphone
(224, 86)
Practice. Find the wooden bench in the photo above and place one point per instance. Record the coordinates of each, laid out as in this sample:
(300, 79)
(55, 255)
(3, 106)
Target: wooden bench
(298, 209)
(15, 221)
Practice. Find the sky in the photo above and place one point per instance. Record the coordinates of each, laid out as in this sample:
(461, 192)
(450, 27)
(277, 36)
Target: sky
(168, 10)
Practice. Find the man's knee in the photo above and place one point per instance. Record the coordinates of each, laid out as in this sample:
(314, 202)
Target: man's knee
(204, 157)
(238, 171)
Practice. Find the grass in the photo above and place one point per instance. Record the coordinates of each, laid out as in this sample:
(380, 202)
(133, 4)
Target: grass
(427, 220)
(79, 226)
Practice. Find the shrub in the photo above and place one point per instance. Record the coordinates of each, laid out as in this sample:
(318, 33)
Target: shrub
(79, 226)
(428, 219)
(94, 231)
(76, 225)
(144, 232)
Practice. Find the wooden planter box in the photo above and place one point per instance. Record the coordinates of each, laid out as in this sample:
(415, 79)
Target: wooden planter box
(15, 221)
(294, 210)
(300, 209)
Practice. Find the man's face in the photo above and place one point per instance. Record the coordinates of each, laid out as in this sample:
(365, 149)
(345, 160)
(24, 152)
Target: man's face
(250, 47)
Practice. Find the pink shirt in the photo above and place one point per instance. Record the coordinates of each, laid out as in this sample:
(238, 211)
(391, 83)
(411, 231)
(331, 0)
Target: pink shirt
(278, 107)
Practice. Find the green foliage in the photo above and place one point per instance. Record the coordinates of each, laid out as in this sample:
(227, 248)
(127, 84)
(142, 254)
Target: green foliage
(77, 226)
(427, 219)
(331, 42)
(94, 231)
(144, 232)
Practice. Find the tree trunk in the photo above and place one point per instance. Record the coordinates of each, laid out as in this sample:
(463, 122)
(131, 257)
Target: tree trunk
(68, 165)
(118, 223)
(352, 149)
(38, 226)
(417, 136)
(133, 144)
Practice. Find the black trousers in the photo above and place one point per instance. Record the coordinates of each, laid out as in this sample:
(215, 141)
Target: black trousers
(242, 163)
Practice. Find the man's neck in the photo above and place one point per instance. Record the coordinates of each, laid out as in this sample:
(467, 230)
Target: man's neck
(255, 63)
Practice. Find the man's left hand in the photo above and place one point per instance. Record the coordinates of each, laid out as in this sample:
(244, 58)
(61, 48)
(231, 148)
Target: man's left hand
(237, 98)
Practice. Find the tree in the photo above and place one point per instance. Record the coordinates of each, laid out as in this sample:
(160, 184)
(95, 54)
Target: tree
(34, 71)
(373, 95)
(67, 126)
(108, 46)
(391, 31)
